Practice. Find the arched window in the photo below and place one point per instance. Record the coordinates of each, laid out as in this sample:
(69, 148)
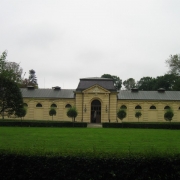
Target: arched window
(179, 108)
(38, 105)
(68, 106)
(123, 107)
(25, 105)
(166, 107)
(138, 107)
(53, 105)
(153, 107)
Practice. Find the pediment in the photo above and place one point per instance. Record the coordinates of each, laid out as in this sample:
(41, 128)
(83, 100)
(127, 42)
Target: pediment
(96, 89)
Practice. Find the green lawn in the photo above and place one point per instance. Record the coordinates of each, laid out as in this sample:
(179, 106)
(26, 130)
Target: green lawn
(89, 140)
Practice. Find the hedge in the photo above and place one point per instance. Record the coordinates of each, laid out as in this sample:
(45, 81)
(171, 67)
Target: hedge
(34, 123)
(165, 125)
(13, 166)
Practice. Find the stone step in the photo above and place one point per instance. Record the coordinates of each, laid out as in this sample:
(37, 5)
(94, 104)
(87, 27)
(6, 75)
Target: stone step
(94, 125)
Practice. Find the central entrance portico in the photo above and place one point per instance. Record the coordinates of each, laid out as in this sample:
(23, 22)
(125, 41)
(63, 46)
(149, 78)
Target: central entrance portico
(95, 111)
(96, 100)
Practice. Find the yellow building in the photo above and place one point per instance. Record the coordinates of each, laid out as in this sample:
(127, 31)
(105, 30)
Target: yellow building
(97, 100)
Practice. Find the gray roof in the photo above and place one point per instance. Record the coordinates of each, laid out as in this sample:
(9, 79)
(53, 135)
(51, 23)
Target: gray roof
(149, 95)
(103, 82)
(48, 93)
(122, 95)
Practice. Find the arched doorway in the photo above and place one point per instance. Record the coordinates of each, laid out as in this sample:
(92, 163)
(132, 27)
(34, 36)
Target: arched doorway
(95, 111)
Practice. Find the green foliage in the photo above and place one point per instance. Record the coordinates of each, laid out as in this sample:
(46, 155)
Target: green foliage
(72, 113)
(129, 83)
(168, 115)
(169, 82)
(56, 166)
(10, 70)
(142, 125)
(21, 112)
(3, 61)
(138, 114)
(31, 81)
(174, 64)
(52, 112)
(117, 81)
(146, 84)
(40, 123)
(121, 114)
(10, 97)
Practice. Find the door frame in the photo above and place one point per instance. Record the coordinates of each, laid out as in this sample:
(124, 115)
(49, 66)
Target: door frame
(95, 107)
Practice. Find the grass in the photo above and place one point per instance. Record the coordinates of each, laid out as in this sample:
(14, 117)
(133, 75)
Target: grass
(71, 141)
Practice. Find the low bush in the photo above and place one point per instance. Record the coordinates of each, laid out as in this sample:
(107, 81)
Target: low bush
(14, 166)
(34, 123)
(162, 125)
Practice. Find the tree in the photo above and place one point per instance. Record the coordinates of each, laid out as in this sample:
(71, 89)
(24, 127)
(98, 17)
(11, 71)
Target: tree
(10, 70)
(169, 82)
(117, 81)
(129, 83)
(32, 77)
(174, 64)
(21, 112)
(10, 97)
(3, 61)
(168, 115)
(30, 81)
(146, 84)
(121, 114)
(138, 114)
(52, 112)
(72, 112)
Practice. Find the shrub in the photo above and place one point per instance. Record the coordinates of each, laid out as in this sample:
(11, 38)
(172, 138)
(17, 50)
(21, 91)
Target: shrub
(121, 114)
(168, 115)
(138, 115)
(72, 112)
(52, 112)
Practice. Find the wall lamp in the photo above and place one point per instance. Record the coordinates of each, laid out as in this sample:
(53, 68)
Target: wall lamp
(106, 108)
(85, 108)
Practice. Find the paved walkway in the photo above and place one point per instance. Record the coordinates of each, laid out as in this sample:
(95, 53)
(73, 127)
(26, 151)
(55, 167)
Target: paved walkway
(94, 125)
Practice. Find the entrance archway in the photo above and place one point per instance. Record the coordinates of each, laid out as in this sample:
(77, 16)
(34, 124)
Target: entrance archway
(95, 111)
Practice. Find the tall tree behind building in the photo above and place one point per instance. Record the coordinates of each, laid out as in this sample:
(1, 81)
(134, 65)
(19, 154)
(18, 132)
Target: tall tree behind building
(10, 70)
(32, 77)
(117, 81)
(31, 80)
(129, 83)
(174, 64)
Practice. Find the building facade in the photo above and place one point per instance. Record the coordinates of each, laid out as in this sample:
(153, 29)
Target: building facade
(97, 101)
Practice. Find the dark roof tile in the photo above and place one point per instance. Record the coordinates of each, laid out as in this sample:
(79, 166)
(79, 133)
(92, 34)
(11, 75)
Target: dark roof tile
(47, 93)
(103, 82)
(149, 95)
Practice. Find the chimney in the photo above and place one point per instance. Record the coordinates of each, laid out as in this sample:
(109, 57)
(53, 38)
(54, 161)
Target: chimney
(161, 90)
(56, 88)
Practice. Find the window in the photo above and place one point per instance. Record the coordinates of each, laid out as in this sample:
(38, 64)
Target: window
(38, 105)
(123, 107)
(25, 105)
(138, 107)
(153, 107)
(53, 105)
(166, 107)
(179, 108)
(68, 106)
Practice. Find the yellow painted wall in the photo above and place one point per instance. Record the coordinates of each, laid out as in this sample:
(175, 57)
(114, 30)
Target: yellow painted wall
(149, 115)
(109, 108)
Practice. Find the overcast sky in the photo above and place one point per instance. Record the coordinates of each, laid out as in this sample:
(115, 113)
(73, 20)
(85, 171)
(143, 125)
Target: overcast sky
(65, 40)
